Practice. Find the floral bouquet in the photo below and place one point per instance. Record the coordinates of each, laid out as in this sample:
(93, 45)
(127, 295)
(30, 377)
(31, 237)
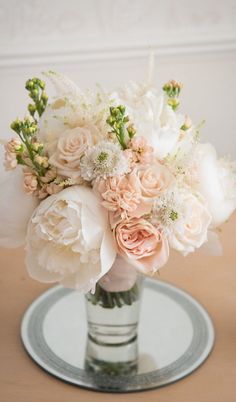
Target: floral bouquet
(107, 183)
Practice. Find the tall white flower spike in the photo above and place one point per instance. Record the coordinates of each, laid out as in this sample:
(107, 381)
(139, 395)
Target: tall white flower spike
(64, 87)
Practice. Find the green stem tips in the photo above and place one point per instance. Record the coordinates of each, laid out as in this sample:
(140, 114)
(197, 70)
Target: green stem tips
(118, 121)
(113, 299)
(36, 87)
(31, 153)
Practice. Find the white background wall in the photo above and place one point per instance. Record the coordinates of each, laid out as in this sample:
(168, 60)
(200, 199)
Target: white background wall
(108, 41)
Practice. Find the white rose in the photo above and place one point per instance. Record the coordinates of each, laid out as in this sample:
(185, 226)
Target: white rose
(152, 117)
(69, 240)
(216, 181)
(71, 146)
(189, 230)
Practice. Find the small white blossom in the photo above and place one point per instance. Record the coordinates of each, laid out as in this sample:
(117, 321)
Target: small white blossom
(166, 210)
(103, 160)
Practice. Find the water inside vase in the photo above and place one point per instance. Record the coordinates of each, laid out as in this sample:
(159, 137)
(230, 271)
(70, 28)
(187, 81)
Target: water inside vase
(112, 343)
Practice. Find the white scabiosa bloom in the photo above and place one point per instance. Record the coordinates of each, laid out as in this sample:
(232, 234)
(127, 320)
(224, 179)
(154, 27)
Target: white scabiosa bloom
(103, 160)
(166, 210)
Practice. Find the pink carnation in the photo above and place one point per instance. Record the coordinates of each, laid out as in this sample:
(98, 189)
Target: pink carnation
(141, 244)
(121, 195)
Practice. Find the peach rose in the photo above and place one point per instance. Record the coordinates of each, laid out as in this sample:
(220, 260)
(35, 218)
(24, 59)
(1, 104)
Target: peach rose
(70, 148)
(121, 195)
(141, 244)
(153, 180)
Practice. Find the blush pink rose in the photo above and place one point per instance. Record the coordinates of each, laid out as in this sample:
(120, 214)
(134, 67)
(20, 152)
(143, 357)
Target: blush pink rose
(141, 244)
(153, 180)
(121, 195)
(71, 146)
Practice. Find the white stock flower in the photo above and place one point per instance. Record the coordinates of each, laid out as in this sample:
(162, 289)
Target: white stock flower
(152, 117)
(103, 160)
(69, 240)
(190, 226)
(216, 181)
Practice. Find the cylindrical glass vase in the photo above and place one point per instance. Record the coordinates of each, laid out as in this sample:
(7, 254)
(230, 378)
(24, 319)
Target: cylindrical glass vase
(113, 316)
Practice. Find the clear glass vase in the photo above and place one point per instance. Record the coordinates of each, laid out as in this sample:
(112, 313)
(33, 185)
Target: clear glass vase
(112, 344)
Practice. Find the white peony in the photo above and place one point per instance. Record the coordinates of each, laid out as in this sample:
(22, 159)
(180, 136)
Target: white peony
(152, 117)
(189, 229)
(69, 240)
(216, 181)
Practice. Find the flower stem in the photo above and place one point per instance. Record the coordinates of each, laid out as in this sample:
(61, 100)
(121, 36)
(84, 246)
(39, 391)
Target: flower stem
(113, 299)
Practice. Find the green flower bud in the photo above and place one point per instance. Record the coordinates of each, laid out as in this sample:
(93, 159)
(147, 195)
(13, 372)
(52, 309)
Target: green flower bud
(37, 147)
(115, 112)
(35, 93)
(29, 85)
(110, 120)
(31, 108)
(41, 84)
(172, 88)
(173, 102)
(117, 125)
(121, 109)
(20, 148)
(32, 130)
(44, 97)
(131, 131)
(16, 125)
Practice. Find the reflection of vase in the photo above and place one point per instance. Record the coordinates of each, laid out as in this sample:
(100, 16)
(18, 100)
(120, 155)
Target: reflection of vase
(112, 346)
